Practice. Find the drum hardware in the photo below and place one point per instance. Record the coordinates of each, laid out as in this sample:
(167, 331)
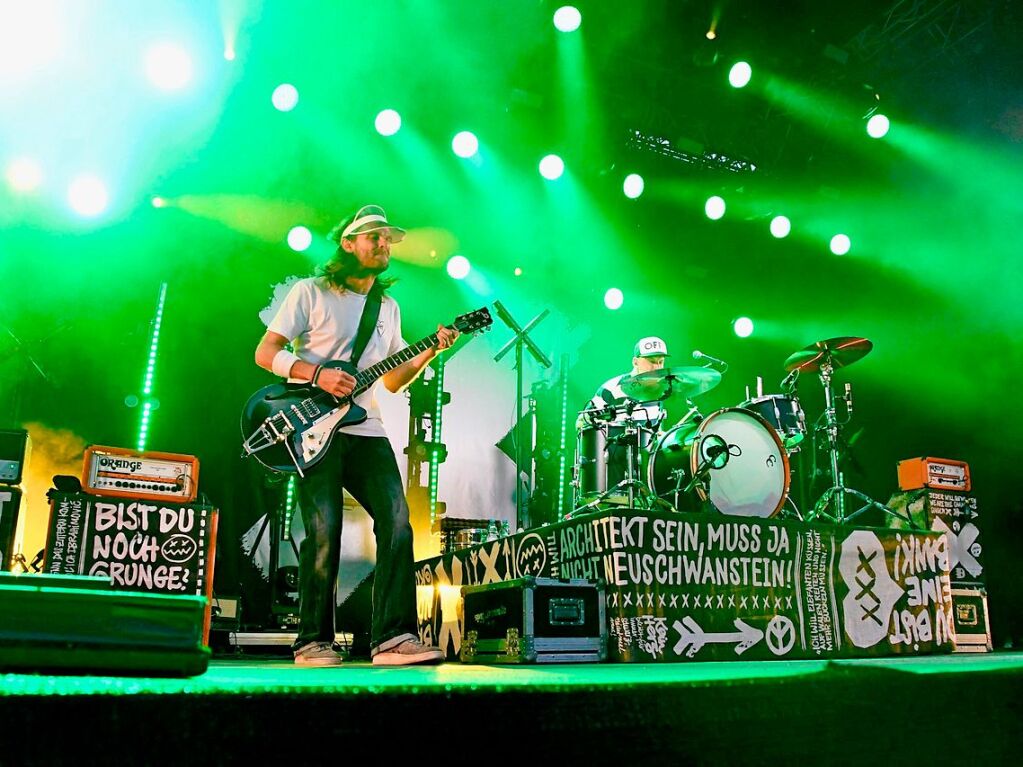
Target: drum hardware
(824, 357)
(599, 431)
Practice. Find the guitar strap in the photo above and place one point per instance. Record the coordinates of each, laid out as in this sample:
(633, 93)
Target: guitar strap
(370, 312)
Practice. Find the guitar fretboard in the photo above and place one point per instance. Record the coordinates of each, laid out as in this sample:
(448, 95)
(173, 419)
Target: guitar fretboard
(365, 378)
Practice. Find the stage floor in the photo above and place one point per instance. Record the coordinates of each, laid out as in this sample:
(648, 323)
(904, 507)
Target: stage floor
(259, 675)
(956, 709)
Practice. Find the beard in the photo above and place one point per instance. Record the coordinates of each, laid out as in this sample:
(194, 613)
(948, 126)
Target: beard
(369, 271)
(362, 270)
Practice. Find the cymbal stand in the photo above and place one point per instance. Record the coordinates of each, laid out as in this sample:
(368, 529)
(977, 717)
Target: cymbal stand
(835, 495)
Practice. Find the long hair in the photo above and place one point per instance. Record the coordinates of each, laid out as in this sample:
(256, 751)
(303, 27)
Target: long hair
(342, 265)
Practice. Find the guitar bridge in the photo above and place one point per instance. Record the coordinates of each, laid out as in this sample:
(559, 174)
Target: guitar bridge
(269, 434)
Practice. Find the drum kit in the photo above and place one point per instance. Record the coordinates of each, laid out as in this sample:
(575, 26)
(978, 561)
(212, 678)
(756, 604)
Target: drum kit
(735, 461)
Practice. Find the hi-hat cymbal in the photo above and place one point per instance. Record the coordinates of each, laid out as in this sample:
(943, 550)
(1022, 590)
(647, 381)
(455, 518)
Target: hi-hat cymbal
(670, 383)
(841, 351)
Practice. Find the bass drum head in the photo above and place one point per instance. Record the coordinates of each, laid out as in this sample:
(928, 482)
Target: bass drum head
(754, 481)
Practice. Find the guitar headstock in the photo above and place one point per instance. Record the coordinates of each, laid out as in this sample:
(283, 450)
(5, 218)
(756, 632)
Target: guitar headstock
(473, 322)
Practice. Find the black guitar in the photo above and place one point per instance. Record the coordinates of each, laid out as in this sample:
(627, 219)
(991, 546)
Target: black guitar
(288, 427)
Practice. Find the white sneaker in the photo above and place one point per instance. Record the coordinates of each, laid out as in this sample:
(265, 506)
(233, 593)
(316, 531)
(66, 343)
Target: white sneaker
(317, 654)
(407, 653)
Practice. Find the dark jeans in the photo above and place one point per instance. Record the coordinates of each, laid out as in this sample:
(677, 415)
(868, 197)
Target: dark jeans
(366, 467)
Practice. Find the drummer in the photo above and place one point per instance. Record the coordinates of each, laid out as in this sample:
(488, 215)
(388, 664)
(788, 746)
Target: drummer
(611, 405)
(649, 354)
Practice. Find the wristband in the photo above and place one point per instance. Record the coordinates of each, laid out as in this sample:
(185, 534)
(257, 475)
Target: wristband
(316, 374)
(283, 362)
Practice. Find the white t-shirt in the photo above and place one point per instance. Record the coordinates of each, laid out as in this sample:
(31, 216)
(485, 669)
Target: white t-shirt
(321, 324)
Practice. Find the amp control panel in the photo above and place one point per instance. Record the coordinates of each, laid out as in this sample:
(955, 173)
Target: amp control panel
(121, 472)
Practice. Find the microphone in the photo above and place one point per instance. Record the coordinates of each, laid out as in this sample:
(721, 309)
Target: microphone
(848, 398)
(790, 379)
(698, 355)
(714, 447)
(715, 450)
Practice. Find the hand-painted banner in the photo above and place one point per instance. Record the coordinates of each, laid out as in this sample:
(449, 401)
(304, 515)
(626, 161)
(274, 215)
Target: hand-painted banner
(706, 587)
(139, 545)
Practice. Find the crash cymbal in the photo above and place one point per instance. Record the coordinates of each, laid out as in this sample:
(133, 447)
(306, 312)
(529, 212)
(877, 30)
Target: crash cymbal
(670, 383)
(842, 351)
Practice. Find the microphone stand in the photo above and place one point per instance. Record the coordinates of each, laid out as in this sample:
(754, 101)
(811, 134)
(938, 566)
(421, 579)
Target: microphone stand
(519, 340)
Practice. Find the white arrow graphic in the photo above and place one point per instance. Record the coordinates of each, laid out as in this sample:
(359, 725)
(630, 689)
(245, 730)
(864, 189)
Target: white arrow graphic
(694, 637)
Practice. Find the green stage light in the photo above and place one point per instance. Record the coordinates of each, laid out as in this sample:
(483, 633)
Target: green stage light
(87, 196)
(715, 207)
(285, 97)
(739, 75)
(614, 298)
(840, 244)
(289, 505)
(150, 404)
(300, 238)
(633, 186)
(563, 441)
(168, 66)
(567, 18)
(551, 167)
(518, 271)
(24, 175)
(780, 226)
(436, 432)
(877, 126)
(458, 267)
(465, 144)
(743, 327)
(388, 122)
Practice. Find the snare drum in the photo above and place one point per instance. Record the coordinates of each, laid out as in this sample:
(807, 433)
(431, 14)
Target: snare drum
(785, 416)
(744, 464)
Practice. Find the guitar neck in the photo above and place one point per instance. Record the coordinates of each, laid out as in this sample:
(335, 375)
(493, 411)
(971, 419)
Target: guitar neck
(364, 379)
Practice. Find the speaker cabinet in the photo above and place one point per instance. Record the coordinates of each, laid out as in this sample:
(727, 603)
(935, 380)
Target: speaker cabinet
(15, 449)
(10, 503)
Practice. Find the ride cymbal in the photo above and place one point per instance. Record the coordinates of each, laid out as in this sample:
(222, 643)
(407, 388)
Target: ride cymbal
(841, 351)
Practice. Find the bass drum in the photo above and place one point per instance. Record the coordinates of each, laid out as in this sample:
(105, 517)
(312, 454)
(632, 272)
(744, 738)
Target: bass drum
(744, 466)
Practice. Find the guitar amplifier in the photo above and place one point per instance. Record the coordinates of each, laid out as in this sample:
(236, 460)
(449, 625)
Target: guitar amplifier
(937, 473)
(151, 476)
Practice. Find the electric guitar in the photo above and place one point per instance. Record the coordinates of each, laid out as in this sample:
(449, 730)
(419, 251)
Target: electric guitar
(288, 427)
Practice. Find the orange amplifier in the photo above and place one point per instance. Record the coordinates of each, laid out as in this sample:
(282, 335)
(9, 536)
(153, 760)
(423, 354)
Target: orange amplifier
(125, 473)
(937, 473)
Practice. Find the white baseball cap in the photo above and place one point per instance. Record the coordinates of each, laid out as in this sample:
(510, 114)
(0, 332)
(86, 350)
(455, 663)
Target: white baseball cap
(651, 346)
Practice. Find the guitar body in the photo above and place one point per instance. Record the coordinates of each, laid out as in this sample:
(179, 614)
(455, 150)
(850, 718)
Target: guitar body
(308, 416)
(289, 427)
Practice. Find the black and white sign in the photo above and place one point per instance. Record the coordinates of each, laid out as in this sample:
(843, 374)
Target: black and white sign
(711, 587)
(139, 545)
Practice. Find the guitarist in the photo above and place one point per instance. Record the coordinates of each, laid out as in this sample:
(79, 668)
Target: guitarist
(321, 318)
